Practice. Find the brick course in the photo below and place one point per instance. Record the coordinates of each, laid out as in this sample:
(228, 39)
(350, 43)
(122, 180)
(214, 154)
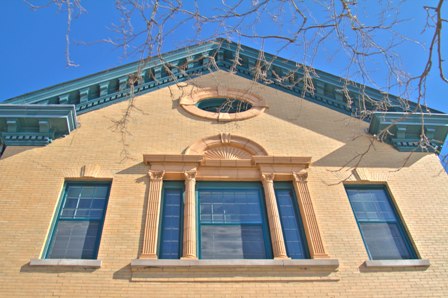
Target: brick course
(31, 182)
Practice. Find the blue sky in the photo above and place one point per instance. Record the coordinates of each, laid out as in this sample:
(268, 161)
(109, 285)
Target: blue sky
(32, 55)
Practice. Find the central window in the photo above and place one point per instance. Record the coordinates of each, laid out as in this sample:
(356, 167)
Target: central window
(232, 221)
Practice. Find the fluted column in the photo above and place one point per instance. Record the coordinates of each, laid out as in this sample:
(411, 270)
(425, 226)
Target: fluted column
(315, 244)
(189, 241)
(275, 227)
(150, 236)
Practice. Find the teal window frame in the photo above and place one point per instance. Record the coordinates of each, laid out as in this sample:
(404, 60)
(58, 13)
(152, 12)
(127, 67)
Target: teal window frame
(398, 220)
(57, 218)
(171, 185)
(228, 186)
(279, 186)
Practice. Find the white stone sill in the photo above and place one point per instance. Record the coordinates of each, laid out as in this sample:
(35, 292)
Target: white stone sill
(384, 264)
(322, 264)
(66, 263)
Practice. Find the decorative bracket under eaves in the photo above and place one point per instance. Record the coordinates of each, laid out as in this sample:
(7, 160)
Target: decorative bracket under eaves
(35, 125)
(409, 132)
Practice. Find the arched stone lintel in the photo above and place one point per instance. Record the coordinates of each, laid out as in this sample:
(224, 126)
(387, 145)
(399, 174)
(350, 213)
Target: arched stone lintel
(201, 146)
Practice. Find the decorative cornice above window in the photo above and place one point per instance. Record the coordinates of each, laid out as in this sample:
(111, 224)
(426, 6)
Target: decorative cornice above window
(35, 125)
(226, 152)
(243, 148)
(226, 157)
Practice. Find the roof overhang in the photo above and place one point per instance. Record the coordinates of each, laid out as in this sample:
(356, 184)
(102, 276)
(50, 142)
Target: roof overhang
(111, 86)
(34, 124)
(410, 131)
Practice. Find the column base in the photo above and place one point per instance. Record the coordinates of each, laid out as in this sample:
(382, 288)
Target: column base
(282, 258)
(320, 256)
(189, 258)
(148, 256)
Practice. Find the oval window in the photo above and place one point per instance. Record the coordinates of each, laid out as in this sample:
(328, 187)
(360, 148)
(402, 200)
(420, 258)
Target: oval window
(223, 105)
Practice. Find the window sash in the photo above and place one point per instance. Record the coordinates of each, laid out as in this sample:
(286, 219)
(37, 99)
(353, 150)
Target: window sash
(229, 187)
(58, 235)
(291, 221)
(393, 243)
(170, 246)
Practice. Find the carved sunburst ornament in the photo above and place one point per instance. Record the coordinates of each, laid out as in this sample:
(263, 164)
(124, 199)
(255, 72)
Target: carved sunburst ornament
(226, 152)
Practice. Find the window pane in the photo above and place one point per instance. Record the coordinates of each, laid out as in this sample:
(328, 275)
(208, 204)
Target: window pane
(384, 241)
(78, 227)
(74, 240)
(171, 223)
(232, 222)
(84, 202)
(380, 227)
(292, 232)
(230, 206)
(371, 205)
(232, 242)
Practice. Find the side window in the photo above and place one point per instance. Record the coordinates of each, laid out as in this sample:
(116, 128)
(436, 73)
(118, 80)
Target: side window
(380, 226)
(232, 221)
(170, 246)
(291, 222)
(77, 231)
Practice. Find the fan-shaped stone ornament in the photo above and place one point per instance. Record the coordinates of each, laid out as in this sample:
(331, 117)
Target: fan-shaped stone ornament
(226, 152)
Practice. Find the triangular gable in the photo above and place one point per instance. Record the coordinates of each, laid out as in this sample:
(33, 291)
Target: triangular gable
(114, 85)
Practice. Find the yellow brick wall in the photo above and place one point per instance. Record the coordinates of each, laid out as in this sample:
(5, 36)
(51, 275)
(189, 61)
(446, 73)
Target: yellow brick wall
(31, 182)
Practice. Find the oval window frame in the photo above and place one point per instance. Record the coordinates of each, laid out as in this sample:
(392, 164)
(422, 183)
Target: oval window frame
(232, 105)
(190, 101)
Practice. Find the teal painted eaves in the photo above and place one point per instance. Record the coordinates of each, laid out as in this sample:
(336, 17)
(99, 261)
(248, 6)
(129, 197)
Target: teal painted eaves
(35, 125)
(111, 86)
(410, 132)
(103, 88)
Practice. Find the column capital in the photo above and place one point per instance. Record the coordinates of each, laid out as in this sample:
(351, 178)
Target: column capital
(268, 177)
(300, 176)
(156, 175)
(190, 175)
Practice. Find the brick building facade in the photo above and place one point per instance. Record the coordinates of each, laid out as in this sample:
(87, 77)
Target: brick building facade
(286, 196)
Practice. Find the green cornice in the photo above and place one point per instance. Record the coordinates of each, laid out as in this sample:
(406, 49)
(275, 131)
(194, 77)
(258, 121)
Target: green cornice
(100, 89)
(405, 131)
(35, 125)
(104, 88)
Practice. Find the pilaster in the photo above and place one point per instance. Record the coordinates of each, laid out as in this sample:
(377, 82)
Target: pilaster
(275, 227)
(189, 241)
(309, 220)
(149, 250)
